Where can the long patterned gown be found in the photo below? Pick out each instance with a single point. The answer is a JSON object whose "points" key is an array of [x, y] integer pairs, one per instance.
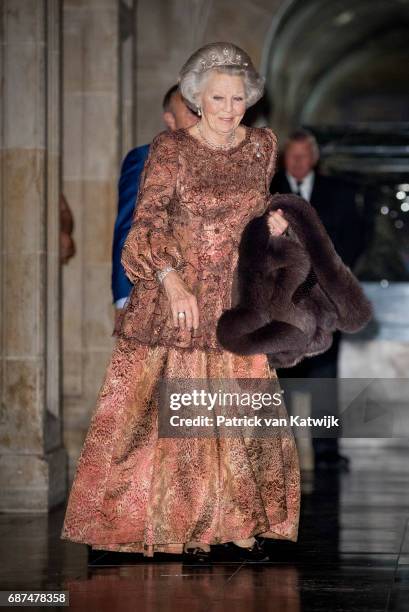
{"points": [[133, 490]]}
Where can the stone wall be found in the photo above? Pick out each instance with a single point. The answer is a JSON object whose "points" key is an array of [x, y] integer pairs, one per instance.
{"points": [[32, 459], [97, 118]]}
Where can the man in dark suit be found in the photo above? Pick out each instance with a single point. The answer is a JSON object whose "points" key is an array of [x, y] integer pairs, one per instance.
{"points": [[176, 114], [334, 201]]}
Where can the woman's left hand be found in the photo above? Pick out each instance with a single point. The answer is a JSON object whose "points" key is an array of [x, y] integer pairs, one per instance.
{"points": [[277, 224]]}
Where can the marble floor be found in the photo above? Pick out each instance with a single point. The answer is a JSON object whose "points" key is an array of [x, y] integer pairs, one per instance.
{"points": [[352, 555]]}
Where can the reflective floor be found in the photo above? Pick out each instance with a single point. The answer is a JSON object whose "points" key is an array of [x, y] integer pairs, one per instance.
{"points": [[352, 554]]}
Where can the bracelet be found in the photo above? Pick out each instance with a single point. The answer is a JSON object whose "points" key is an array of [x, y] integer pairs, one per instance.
{"points": [[162, 273]]}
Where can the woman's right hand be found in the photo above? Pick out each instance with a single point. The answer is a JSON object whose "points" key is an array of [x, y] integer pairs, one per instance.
{"points": [[181, 300]]}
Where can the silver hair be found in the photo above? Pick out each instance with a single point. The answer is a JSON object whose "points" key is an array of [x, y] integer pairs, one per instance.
{"points": [[221, 57]]}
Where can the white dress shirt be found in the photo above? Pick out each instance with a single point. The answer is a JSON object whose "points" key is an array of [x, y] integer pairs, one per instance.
{"points": [[121, 302], [306, 186]]}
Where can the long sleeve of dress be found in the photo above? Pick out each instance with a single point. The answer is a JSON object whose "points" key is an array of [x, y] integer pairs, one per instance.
{"points": [[150, 245], [271, 167]]}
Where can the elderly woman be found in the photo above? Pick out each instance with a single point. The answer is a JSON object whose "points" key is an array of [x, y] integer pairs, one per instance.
{"points": [[134, 491]]}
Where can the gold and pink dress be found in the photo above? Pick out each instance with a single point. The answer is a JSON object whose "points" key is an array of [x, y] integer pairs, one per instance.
{"points": [[133, 490]]}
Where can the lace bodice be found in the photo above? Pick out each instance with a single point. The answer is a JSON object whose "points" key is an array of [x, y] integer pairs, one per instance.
{"points": [[193, 204]]}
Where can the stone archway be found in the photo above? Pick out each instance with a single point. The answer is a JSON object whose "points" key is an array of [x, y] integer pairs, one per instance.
{"points": [[337, 62], [338, 68]]}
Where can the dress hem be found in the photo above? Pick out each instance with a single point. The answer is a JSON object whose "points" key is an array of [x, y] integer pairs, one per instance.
{"points": [[177, 547]]}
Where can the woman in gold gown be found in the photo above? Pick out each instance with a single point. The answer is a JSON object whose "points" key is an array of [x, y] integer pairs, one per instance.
{"points": [[133, 490]]}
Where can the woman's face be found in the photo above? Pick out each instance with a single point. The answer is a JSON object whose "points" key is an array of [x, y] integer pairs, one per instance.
{"points": [[222, 101]]}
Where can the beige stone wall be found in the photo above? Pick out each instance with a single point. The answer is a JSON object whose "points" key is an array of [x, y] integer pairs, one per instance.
{"points": [[32, 460], [90, 170]]}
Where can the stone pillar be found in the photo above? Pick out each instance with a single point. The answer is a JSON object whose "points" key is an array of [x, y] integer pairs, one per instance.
{"points": [[32, 459], [99, 128]]}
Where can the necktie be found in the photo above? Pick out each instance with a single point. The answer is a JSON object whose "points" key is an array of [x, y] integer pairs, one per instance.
{"points": [[298, 192]]}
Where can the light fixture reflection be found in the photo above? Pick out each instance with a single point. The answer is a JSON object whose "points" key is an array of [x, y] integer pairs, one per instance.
{"points": [[344, 18]]}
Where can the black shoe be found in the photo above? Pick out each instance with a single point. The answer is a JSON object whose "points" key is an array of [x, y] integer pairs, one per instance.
{"points": [[99, 557], [256, 552], [196, 555], [95, 554], [332, 461]]}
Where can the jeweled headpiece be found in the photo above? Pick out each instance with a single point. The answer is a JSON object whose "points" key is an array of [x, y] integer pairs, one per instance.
{"points": [[230, 58], [218, 55]]}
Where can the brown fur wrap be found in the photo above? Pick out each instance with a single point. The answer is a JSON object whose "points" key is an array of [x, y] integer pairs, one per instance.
{"points": [[293, 291]]}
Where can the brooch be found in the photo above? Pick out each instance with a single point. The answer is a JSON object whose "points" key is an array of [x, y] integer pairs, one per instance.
{"points": [[258, 154]]}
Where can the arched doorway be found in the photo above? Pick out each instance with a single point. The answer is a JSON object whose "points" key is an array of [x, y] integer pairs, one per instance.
{"points": [[339, 68], [333, 63]]}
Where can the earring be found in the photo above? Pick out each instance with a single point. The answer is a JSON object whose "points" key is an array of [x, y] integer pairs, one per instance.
{"points": [[199, 112]]}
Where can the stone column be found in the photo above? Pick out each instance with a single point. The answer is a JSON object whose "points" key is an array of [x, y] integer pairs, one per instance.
{"points": [[32, 459], [99, 128]]}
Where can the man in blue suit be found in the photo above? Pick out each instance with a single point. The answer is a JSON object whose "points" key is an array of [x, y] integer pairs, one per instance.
{"points": [[176, 114]]}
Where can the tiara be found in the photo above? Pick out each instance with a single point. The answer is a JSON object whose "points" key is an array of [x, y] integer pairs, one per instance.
{"points": [[230, 58]]}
